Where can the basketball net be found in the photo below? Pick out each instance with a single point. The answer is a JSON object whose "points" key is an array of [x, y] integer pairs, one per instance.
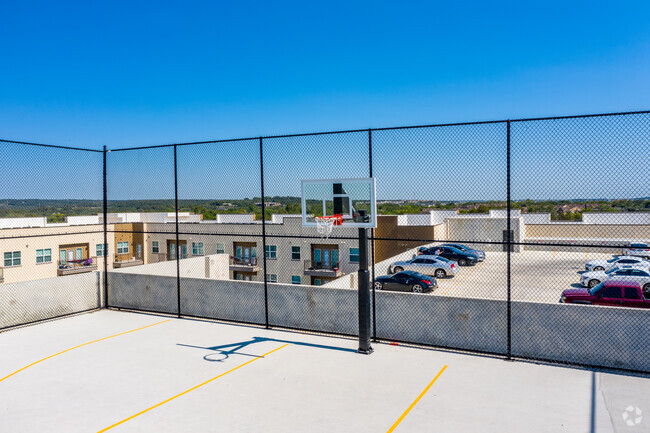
{"points": [[324, 226]]}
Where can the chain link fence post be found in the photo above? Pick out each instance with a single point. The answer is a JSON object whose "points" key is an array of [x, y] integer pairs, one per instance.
{"points": [[266, 284], [178, 246]]}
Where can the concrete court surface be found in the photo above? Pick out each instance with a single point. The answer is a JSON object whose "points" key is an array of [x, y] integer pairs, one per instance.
{"points": [[308, 383], [537, 276]]}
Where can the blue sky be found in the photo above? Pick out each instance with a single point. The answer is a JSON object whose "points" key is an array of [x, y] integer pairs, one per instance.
{"points": [[124, 74]]}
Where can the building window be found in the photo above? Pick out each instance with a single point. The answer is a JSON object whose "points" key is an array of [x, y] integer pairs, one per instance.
{"points": [[295, 253], [271, 278], [354, 255], [221, 248], [100, 250], [44, 256], [154, 247], [295, 279], [317, 281], [12, 259], [123, 248], [271, 251], [197, 248]]}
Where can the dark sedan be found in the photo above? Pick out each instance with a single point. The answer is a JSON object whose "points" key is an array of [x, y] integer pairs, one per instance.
{"points": [[464, 248], [406, 281], [451, 253]]}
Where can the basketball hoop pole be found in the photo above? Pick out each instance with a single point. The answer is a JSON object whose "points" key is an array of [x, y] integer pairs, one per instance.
{"points": [[364, 294]]}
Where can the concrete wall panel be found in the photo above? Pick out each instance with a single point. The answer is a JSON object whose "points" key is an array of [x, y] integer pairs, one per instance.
{"points": [[585, 334], [30, 301]]}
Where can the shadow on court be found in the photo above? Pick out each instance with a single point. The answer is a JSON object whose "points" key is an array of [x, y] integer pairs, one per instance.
{"points": [[224, 351]]}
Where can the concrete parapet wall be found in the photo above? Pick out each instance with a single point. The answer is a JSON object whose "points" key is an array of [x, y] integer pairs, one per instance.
{"points": [[240, 301], [315, 308], [214, 266], [30, 301], [463, 323], [577, 231], [605, 336], [599, 246], [608, 337], [142, 292]]}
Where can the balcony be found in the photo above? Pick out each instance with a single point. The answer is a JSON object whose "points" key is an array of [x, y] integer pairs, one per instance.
{"points": [[318, 269], [72, 267], [244, 264], [128, 263]]}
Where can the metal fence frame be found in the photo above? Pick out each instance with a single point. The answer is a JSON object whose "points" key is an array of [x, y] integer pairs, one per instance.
{"points": [[265, 236]]}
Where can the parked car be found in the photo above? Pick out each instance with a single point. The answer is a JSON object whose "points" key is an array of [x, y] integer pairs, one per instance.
{"points": [[450, 253], [406, 281], [606, 265], [478, 253], [638, 249], [438, 267], [593, 278], [613, 293]]}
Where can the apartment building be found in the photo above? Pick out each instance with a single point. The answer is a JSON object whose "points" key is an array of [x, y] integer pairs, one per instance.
{"points": [[42, 250], [33, 249], [294, 254]]}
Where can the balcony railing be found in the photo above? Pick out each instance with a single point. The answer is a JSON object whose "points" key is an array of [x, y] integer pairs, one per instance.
{"points": [[71, 267], [128, 263], [319, 269], [244, 264]]}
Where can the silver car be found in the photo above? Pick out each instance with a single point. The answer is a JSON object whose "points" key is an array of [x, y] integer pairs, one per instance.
{"points": [[623, 273], [638, 249], [436, 266], [606, 265]]}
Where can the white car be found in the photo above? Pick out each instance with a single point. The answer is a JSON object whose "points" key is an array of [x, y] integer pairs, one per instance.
{"points": [[624, 273], [638, 249], [436, 266], [606, 265]]}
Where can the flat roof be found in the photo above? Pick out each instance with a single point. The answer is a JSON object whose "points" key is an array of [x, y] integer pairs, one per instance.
{"points": [[121, 371]]}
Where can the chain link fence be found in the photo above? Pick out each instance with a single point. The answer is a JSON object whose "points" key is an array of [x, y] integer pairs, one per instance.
{"points": [[529, 212], [51, 246]]}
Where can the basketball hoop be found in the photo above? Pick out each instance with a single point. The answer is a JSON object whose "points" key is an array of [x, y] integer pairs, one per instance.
{"points": [[325, 225]]}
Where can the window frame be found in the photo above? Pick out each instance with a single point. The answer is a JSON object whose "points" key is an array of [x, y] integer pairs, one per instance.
{"points": [[198, 249], [221, 250], [42, 256], [155, 247], [293, 279], [271, 250], [121, 247], [14, 256], [294, 252], [271, 278]]}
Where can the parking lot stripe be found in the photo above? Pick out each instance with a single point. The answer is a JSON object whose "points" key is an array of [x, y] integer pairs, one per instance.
{"points": [[191, 389], [81, 345], [554, 254], [406, 412]]}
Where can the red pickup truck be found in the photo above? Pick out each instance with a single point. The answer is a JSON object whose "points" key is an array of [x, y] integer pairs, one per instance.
{"points": [[612, 293]]}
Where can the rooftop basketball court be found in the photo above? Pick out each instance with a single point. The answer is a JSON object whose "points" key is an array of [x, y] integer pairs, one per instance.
{"points": [[127, 372]]}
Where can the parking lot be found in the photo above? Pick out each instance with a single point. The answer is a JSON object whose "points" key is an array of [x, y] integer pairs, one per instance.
{"points": [[538, 276]]}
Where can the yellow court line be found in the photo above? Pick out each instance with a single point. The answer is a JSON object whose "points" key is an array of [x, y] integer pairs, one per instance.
{"points": [[81, 345], [189, 390], [406, 412]]}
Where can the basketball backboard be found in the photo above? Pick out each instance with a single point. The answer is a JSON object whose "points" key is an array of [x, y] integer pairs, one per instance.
{"points": [[352, 202]]}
